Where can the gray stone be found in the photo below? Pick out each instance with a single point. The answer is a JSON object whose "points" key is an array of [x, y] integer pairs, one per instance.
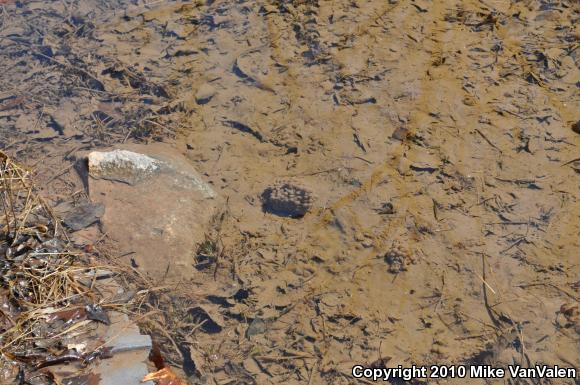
{"points": [[126, 368], [131, 168], [131, 351], [83, 216], [129, 364], [131, 342], [122, 166], [205, 93], [100, 273], [120, 324], [258, 326], [123, 335]]}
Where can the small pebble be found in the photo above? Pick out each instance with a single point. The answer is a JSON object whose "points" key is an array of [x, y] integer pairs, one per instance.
{"points": [[205, 93]]}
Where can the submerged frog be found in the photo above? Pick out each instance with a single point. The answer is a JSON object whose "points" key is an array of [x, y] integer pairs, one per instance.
{"points": [[287, 199]]}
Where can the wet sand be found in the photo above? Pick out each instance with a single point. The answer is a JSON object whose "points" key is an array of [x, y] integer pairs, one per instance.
{"points": [[436, 137]]}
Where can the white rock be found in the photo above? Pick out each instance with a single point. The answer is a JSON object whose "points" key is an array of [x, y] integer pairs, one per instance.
{"points": [[132, 168], [122, 165], [205, 93]]}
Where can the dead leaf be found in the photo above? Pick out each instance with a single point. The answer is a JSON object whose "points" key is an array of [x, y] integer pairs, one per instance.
{"points": [[164, 376]]}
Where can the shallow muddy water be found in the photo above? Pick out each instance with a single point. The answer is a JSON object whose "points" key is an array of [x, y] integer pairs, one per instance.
{"points": [[435, 139]]}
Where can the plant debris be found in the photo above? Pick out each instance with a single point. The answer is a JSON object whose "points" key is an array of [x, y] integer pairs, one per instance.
{"points": [[46, 287], [164, 376]]}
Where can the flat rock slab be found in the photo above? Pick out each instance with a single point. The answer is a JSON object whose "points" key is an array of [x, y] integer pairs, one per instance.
{"points": [[123, 335], [127, 368], [83, 216], [128, 365], [157, 207], [130, 351]]}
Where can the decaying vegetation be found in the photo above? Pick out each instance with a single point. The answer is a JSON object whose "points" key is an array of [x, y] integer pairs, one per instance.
{"points": [[48, 296]]}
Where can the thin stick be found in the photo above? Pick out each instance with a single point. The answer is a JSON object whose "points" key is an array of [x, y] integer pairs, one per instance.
{"points": [[486, 284]]}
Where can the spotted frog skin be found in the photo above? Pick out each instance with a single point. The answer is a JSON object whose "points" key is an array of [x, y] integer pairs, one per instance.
{"points": [[287, 199]]}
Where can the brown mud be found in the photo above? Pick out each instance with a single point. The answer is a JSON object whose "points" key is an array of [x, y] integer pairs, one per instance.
{"points": [[436, 137]]}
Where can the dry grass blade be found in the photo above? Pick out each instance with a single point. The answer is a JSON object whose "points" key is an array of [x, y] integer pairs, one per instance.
{"points": [[41, 276]]}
